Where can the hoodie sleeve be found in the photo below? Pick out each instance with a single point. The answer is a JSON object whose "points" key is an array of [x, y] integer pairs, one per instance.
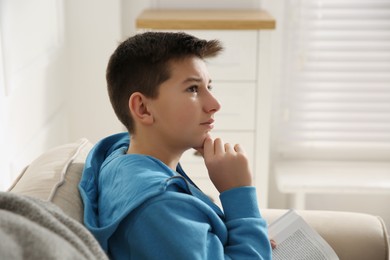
{"points": [[178, 226]]}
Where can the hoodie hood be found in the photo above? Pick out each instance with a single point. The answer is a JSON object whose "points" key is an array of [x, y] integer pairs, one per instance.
{"points": [[88, 185], [108, 166]]}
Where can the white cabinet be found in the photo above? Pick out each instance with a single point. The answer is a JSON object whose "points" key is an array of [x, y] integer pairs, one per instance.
{"points": [[236, 84]]}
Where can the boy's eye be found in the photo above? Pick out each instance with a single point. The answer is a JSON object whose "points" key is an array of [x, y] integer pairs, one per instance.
{"points": [[210, 87], [193, 89]]}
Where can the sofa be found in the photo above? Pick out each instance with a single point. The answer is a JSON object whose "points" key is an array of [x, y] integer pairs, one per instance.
{"points": [[53, 177]]}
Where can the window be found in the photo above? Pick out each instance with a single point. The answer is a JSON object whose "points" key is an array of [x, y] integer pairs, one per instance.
{"points": [[335, 102]]}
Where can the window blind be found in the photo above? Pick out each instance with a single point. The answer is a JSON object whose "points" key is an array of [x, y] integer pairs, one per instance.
{"points": [[335, 95]]}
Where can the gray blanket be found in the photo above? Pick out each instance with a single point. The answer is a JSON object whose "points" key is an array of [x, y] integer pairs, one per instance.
{"points": [[34, 229]]}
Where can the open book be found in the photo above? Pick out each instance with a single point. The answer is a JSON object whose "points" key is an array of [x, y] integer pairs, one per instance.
{"points": [[295, 239]]}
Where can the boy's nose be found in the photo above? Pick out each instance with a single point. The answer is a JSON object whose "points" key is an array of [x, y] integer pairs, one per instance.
{"points": [[212, 105]]}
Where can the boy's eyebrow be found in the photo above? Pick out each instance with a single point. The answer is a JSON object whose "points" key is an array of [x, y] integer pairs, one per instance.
{"points": [[195, 79]]}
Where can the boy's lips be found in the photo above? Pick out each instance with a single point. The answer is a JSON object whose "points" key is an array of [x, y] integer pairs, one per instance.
{"points": [[209, 123]]}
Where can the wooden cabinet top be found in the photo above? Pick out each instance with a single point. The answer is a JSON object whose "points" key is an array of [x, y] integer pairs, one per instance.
{"points": [[205, 19]]}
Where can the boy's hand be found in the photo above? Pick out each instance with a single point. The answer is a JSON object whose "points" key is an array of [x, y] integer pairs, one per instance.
{"points": [[227, 165], [273, 243]]}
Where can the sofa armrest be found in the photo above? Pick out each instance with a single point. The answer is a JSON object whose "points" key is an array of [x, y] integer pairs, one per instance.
{"points": [[352, 235]]}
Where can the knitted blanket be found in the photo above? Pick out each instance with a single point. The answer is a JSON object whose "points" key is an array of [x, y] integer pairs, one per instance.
{"points": [[34, 229]]}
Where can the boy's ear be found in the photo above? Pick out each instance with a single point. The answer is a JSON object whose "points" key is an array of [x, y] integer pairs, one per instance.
{"points": [[139, 109]]}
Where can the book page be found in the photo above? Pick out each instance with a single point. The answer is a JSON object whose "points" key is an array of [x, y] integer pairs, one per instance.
{"points": [[295, 239]]}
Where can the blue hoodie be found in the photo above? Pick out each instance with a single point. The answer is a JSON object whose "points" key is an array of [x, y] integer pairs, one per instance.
{"points": [[139, 208]]}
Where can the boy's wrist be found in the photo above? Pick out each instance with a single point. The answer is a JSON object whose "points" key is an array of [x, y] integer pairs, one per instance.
{"points": [[240, 202]]}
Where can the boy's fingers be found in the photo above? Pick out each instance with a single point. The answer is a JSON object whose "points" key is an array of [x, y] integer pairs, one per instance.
{"points": [[219, 147], [238, 149], [208, 148], [229, 148], [273, 244]]}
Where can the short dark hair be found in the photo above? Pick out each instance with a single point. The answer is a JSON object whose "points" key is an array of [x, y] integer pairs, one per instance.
{"points": [[141, 64]]}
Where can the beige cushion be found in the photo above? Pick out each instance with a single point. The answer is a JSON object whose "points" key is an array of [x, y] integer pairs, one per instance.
{"points": [[54, 176]]}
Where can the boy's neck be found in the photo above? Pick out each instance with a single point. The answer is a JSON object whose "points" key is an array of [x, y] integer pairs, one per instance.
{"points": [[171, 159]]}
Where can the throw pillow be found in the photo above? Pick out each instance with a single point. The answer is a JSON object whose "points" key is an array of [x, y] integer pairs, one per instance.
{"points": [[54, 176]]}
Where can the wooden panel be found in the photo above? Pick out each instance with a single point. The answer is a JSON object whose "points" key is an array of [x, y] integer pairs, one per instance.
{"points": [[205, 19]]}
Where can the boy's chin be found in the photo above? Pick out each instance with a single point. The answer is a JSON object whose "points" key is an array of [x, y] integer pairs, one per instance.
{"points": [[200, 144]]}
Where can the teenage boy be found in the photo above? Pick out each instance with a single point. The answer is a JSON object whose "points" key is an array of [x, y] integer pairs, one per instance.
{"points": [[138, 201]]}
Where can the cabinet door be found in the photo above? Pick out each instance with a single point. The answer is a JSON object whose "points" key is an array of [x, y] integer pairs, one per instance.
{"points": [[237, 105]]}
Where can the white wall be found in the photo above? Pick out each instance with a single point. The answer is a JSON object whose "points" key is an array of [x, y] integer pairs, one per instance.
{"points": [[33, 94], [94, 30], [52, 70]]}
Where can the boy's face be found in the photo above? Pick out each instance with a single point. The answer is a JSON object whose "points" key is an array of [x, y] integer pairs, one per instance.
{"points": [[185, 106]]}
